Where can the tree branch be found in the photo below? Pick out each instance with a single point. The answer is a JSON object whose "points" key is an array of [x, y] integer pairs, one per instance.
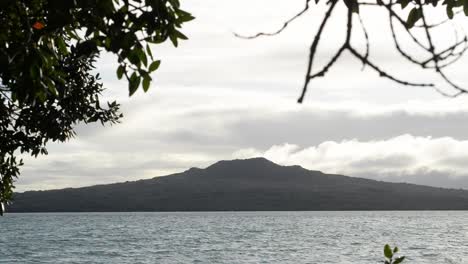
{"points": [[283, 27], [313, 49]]}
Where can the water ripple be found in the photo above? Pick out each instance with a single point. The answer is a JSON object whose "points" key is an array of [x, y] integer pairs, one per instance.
{"points": [[233, 237]]}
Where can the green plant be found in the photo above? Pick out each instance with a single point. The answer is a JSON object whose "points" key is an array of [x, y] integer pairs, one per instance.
{"points": [[390, 257]]}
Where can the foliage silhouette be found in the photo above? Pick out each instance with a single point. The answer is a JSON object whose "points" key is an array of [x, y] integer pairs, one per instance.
{"points": [[47, 54]]}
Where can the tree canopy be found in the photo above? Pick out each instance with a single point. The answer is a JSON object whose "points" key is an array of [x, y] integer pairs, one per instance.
{"points": [[48, 49]]}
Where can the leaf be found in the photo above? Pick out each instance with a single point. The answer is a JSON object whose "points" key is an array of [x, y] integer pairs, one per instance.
{"points": [[175, 3], [52, 88], [35, 72], [154, 65], [450, 11], [133, 83], [86, 48], [388, 251], [146, 83], [92, 119], [465, 7], [399, 260], [133, 57], [413, 17], [173, 39], [395, 250], [142, 56], [404, 3], [180, 34], [148, 50], [120, 71], [62, 46], [186, 16], [458, 3]]}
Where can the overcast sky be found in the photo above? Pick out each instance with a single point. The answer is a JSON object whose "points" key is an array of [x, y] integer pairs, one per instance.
{"points": [[219, 97]]}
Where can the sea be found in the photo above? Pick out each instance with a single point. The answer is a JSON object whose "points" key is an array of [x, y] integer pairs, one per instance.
{"points": [[234, 237]]}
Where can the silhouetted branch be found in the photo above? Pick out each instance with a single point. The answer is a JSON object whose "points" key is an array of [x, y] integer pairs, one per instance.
{"points": [[285, 25], [438, 58], [313, 49], [435, 57], [438, 23], [382, 73], [402, 22], [366, 36]]}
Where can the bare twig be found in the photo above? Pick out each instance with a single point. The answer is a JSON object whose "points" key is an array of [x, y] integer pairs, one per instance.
{"points": [[283, 27], [366, 36], [436, 62], [313, 49]]}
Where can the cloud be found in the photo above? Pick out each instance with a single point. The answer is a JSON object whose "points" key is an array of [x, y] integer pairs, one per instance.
{"points": [[84, 167], [171, 136], [402, 158], [216, 94]]}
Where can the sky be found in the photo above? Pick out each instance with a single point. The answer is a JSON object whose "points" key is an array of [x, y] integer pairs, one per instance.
{"points": [[220, 97]]}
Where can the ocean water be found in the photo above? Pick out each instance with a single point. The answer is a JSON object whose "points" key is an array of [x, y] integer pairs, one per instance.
{"points": [[233, 237]]}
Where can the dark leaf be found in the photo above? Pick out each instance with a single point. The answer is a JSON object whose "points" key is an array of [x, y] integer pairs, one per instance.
{"points": [[133, 84], [120, 71], [146, 83], [413, 17], [173, 39], [404, 3], [180, 35], [154, 65], [450, 13], [148, 50], [388, 251], [465, 7], [399, 260]]}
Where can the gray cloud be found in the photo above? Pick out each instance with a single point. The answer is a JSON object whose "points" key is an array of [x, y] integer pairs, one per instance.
{"points": [[217, 94], [425, 177], [314, 127], [406, 158]]}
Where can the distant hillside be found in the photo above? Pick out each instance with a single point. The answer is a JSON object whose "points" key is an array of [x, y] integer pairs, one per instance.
{"points": [[244, 185]]}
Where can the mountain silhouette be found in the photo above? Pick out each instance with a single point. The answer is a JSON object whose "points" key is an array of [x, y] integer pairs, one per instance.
{"points": [[243, 185]]}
